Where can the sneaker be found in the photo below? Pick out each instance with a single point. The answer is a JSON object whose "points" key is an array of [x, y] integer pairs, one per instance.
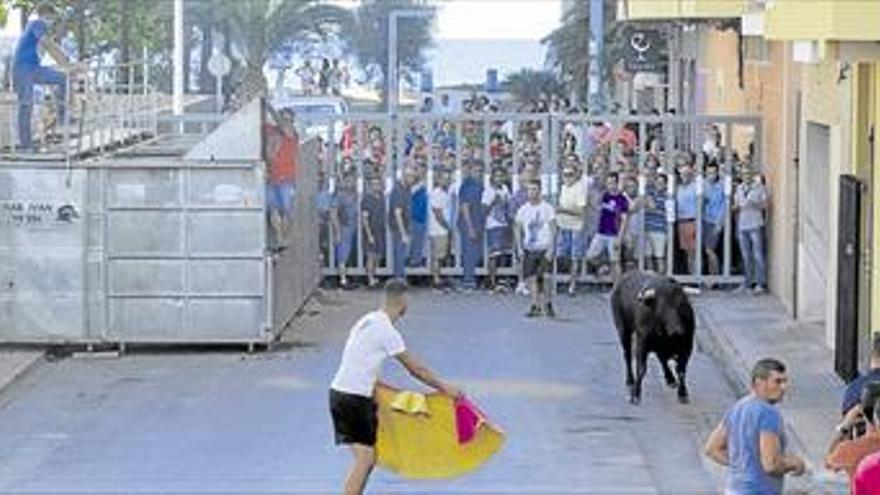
{"points": [[572, 289], [759, 289], [534, 311], [549, 312], [522, 289]]}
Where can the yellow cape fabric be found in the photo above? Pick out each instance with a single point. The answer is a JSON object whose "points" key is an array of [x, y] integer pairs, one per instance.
{"points": [[410, 402], [420, 446]]}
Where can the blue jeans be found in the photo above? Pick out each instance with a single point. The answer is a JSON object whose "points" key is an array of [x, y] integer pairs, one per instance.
{"points": [[417, 244], [401, 252], [471, 254], [24, 80], [751, 246]]}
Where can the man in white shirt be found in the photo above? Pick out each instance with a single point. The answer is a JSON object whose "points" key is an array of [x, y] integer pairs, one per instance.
{"points": [[535, 231], [496, 201], [439, 219], [570, 214], [352, 407]]}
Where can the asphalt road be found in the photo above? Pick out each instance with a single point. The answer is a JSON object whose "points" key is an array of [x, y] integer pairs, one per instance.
{"points": [[230, 422]]}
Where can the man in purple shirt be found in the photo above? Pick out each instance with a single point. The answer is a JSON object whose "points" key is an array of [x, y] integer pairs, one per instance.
{"points": [[612, 223]]}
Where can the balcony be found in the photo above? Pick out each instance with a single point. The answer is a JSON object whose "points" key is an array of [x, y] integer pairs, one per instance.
{"points": [[823, 20], [636, 10]]}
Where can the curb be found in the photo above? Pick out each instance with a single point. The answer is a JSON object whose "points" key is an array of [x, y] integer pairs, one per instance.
{"points": [[20, 371]]}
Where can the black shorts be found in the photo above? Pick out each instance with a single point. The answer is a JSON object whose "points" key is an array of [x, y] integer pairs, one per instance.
{"points": [[535, 264], [354, 418]]}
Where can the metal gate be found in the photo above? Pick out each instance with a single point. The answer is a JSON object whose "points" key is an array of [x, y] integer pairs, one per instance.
{"points": [[642, 145]]}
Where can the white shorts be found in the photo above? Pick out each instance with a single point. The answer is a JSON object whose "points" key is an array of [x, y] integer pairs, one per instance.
{"points": [[604, 244], [655, 244]]}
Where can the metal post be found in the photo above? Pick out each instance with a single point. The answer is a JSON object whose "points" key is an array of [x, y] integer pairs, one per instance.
{"points": [[596, 52], [177, 97], [392, 64]]}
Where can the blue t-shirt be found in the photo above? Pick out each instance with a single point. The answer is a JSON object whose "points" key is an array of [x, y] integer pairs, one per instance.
{"points": [[26, 54], [655, 218], [420, 205], [745, 422], [686, 202], [853, 393], [715, 203], [471, 193]]}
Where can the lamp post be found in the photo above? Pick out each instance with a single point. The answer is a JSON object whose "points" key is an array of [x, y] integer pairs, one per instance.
{"points": [[177, 89], [393, 91]]}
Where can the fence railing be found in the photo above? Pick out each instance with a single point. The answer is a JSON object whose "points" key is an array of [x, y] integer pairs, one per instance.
{"points": [[103, 107], [639, 147]]}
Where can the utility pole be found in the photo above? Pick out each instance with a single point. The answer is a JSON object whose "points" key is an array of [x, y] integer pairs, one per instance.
{"points": [[597, 56], [177, 96]]}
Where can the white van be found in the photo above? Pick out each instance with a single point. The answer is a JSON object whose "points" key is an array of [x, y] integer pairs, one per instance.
{"points": [[314, 112]]}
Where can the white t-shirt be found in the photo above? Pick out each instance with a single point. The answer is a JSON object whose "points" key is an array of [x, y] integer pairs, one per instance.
{"points": [[438, 198], [496, 217], [535, 221], [573, 197], [372, 339]]}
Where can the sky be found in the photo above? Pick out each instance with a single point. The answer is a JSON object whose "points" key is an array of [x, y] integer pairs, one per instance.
{"points": [[474, 35], [497, 19]]}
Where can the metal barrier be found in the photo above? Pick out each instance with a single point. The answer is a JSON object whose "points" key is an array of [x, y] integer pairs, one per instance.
{"points": [[538, 142], [106, 106]]}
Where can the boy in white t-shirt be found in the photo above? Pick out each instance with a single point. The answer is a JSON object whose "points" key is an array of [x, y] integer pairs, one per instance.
{"points": [[535, 233], [352, 407]]}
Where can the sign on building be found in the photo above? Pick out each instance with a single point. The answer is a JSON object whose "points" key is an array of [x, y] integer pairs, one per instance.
{"points": [[644, 50]]}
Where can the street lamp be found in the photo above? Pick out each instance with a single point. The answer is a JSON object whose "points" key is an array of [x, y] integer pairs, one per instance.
{"points": [[393, 91]]}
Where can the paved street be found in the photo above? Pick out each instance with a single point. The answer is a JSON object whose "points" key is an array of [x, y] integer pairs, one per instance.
{"points": [[232, 422]]}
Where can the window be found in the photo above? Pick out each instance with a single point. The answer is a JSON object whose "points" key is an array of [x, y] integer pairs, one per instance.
{"points": [[756, 49]]}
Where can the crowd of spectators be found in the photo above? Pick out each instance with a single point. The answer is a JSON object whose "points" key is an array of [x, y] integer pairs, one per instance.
{"points": [[619, 197]]}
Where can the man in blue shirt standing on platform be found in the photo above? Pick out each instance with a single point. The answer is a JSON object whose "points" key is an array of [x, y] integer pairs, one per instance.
{"points": [[27, 71]]}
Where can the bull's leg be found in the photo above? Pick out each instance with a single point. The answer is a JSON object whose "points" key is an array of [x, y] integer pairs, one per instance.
{"points": [[641, 352], [671, 382], [626, 345], [681, 363]]}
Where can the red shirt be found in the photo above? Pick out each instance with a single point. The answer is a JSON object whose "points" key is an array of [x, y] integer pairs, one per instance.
{"points": [[282, 154], [867, 478]]}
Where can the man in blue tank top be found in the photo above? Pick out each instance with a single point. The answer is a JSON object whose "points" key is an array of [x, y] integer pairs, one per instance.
{"points": [[27, 71]]}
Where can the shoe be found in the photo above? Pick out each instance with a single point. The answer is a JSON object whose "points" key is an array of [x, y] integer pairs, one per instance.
{"points": [[572, 289], [758, 290], [533, 311], [549, 312]]}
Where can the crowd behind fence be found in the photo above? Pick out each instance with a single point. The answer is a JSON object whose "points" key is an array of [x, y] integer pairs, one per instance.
{"points": [[696, 198]]}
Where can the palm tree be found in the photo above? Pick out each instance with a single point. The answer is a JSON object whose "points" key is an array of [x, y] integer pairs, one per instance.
{"points": [[257, 28]]}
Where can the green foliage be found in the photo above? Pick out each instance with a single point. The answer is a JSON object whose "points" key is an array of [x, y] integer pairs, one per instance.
{"points": [[368, 40], [530, 85]]}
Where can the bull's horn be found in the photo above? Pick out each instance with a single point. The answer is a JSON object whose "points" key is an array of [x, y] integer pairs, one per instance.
{"points": [[647, 294]]}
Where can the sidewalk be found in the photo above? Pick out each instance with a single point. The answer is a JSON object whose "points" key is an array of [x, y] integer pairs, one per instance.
{"points": [[15, 363], [737, 330]]}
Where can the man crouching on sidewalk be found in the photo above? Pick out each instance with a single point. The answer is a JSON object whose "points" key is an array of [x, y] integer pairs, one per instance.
{"points": [[372, 339]]}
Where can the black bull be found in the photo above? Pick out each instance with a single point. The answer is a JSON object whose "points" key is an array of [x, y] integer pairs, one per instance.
{"points": [[652, 314]]}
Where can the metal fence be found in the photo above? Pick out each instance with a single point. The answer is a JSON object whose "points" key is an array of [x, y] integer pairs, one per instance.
{"points": [[637, 146], [105, 106]]}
